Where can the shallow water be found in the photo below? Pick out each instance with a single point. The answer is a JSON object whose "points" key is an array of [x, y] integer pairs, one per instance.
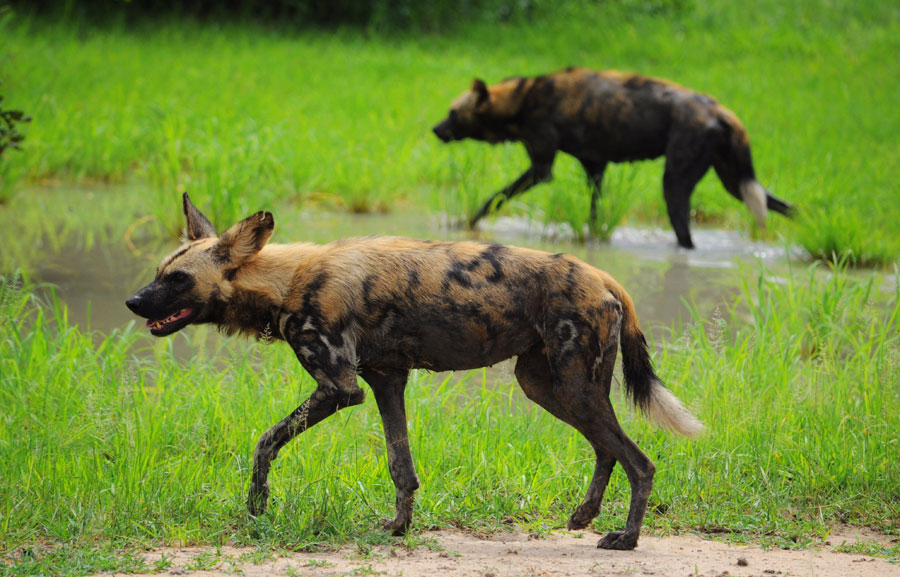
{"points": [[661, 277]]}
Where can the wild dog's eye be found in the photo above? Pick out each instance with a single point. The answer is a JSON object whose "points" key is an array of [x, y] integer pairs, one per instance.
{"points": [[179, 276], [453, 116]]}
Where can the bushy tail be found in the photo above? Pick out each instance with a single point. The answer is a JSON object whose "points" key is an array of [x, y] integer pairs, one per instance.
{"points": [[644, 388], [734, 164]]}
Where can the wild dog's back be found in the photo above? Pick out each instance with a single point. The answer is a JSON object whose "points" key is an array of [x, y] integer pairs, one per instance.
{"points": [[616, 117]]}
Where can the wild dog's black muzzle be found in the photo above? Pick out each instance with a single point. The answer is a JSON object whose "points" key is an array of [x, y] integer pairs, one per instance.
{"points": [[146, 302], [443, 131], [165, 312]]}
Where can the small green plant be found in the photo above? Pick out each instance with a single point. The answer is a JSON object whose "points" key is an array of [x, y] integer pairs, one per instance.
{"points": [[205, 561], [10, 138], [13, 297], [258, 556], [233, 568], [834, 232], [870, 548], [615, 202], [163, 563]]}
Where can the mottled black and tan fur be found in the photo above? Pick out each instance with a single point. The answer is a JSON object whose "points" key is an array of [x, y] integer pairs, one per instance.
{"points": [[607, 116], [379, 307]]}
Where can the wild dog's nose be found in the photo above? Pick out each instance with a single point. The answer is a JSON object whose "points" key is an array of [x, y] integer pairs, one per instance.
{"points": [[134, 303]]}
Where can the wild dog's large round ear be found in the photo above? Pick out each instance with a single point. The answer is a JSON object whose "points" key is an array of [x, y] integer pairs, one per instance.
{"points": [[245, 239], [481, 91], [506, 99], [198, 226]]}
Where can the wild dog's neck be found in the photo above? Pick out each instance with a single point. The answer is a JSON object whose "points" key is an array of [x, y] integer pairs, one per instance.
{"points": [[501, 130], [258, 289]]}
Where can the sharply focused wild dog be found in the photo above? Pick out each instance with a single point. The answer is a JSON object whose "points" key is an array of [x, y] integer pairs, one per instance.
{"points": [[606, 116], [379, 307]]}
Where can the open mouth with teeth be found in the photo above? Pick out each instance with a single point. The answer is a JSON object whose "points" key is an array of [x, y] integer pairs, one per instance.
{"points": [[174, 322]]}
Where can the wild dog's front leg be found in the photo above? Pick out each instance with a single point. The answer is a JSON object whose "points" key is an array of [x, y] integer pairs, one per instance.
{"points": [[541, 170], [388, 389], [321, 404], [334, 368]]}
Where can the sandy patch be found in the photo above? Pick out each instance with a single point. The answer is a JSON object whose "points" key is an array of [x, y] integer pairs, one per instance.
{"points": [[456, 554]]}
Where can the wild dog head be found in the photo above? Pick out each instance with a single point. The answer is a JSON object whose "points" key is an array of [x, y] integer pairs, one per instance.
{"points": [[484, 113], [192, 284]]}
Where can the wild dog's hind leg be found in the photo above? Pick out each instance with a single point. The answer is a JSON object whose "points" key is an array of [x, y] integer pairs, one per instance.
{"points": [[601, 372], [638, 467], [533, 374], [640, 470], [688, 157], [582, 354], [388, 389]]}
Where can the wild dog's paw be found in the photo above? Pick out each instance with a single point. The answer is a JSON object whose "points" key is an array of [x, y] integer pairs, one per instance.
{"points": [[578, 520], [397, 527], [257, 500], [619, 540]]}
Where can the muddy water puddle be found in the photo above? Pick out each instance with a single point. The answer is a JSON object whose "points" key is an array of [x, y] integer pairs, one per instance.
{"points": [[665, 281]]}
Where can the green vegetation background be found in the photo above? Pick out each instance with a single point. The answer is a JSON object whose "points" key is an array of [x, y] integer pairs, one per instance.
{"points": [[110, 443], [250, 114]]}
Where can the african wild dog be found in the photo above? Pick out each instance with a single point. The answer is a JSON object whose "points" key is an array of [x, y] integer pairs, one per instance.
{"points": [[379, 307], [606, 116]]}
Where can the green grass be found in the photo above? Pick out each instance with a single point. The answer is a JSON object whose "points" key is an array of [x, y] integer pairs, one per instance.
{"points": [[243, 116], [110, 443]]}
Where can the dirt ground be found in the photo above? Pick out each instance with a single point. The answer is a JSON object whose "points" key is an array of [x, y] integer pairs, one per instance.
{"points": [[456, 554]]}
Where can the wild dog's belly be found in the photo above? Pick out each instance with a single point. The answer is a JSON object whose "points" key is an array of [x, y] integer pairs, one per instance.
{"points": [[616, 140]]}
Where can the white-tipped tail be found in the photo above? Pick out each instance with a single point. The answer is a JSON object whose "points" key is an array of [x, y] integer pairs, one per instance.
{"points": [[754, 196], [666, 410]]}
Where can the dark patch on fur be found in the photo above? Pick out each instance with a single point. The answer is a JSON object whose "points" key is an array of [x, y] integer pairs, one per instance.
{"points": [[413, 280], [251, 312], [492, 255], [173, 258], [310, 306], [458, 273], [221, 254]]}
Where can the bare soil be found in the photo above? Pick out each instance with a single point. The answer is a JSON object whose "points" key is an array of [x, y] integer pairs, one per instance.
{"points": [[457, 554]]}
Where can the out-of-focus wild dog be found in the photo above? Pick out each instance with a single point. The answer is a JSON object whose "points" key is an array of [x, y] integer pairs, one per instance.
{"points": [[378, 307], [606, 116]]}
